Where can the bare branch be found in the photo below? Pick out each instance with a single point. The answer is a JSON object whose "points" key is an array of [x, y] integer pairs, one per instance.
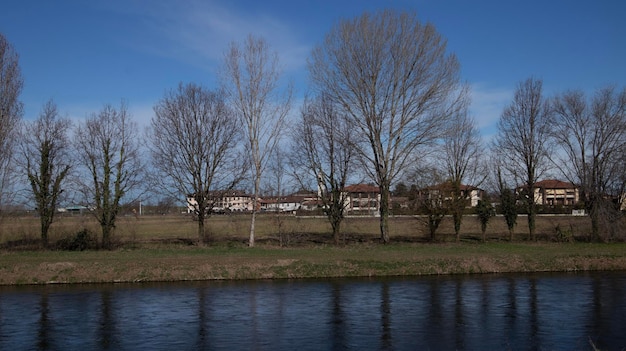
{"points": [[46, 162], [592, 139], [392, 77], [109, 152], [252, 80], [193, 142], [523, 131], [11, 110]]}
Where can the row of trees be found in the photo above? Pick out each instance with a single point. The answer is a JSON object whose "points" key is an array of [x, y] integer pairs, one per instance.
{"points": [[194, 141], [583, 138], [386, 104]]}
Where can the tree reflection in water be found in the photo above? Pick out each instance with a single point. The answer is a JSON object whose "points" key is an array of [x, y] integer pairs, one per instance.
{"points": [[538, 311]]}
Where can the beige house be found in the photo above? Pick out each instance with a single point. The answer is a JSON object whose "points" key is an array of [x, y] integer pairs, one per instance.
{"points": [[443, 192], [553, 192], [232, 200], [362, 198]]}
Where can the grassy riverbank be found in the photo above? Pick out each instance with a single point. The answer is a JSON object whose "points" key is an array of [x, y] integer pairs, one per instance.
{"points": [[179, 263], [161, 248]]}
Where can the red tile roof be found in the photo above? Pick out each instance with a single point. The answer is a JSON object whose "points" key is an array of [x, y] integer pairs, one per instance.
{"points": [[362, 188], [554, 184], [448, 185]]}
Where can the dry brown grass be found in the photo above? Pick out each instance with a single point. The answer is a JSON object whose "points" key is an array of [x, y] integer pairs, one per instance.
{"points": [[315, 230], [182, 262]]}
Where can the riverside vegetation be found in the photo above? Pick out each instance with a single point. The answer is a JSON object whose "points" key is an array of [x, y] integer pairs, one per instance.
{"points": [[164, 248]]}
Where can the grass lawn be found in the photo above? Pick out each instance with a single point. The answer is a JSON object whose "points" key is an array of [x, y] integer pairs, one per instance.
{"points": [[155, 248]]}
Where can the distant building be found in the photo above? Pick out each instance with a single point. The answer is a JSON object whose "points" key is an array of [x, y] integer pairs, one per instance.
{"points": [[444, 192], [553, 192], [230, 200], [362, 198], [288, 203]]}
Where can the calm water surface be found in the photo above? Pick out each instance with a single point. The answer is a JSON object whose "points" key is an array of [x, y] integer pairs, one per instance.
{"points": [[485, 312]]}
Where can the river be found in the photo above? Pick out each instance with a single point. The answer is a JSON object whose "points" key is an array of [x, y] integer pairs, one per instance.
{"points": [[551, 311]]}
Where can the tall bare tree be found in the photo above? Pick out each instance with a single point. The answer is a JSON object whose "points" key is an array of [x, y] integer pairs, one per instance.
{"points": [[11, 110], [323, 148], [47, 162], [508, 199], [523, 135], [431, 195], [275, 186], [591, 136], [392, 77], [108, 147], [462, 151], [193, 141], [252, 79]]}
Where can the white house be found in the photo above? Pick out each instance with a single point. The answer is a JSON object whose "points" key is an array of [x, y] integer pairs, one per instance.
{"points": [[289, 203]]}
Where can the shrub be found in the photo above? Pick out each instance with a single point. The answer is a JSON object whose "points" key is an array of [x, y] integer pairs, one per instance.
{"points": [[82, 240]]}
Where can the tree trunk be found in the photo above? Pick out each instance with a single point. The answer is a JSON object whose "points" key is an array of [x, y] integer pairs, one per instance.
{"points": [[200, 230], [252, 222], [433, 224], [457, 217], [531, 222], [45, 220], [335, 226], [594, 215], [106, 236], [595, 227], [384, 214], [44, 231], [255, 201]]}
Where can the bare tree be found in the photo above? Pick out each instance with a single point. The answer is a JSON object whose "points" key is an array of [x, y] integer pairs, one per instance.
{"points": [[46, 162], [274, 182], [193, 142], [398, 87], [523, 134], [592, 140], [108, 147], [432, 197], [323, 147], [462, 151], [252, 79], [276, 188], [508, 199], [11, 110], [484, 212]]}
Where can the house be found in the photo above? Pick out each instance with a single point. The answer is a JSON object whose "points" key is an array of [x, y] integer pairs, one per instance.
{"points": [[444, 191], [401, 202], [235, 201], [296, 201], [310, 205], [553, 192], [231, 200], [281, 203], [362, 198]]}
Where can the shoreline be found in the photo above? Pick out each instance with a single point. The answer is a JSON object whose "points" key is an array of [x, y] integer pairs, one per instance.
{"points": [[176, 263]]}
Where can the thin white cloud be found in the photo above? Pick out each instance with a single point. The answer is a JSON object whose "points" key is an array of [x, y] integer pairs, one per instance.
{"points": [[487, 105], [199, 32], [141, 113]]}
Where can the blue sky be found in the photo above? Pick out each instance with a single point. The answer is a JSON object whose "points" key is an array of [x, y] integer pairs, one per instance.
{"points": [[84, 54]]}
